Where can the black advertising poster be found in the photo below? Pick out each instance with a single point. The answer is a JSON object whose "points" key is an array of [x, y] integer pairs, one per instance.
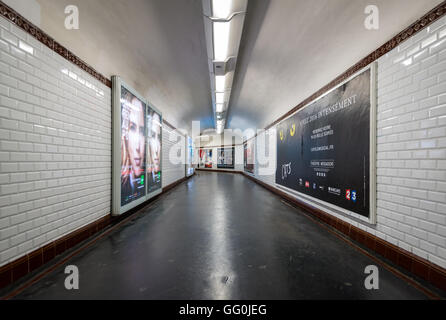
{"points": [[324, 149], [225, 158]]}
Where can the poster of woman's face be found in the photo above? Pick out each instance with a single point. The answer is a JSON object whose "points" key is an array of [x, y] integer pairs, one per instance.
{"points": [[154, 150], [133, 147]]}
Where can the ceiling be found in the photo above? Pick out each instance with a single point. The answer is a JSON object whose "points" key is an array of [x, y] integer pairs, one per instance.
{"points": [[156, 46], [289, 50]]}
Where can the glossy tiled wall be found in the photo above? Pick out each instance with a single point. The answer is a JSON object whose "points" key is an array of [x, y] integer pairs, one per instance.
{"points": [[55, 145], [173, 152]]}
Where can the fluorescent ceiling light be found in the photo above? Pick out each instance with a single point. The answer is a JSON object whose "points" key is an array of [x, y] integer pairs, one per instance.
{"points": [[221, 40], [220, 82], [221, 8], [219, 97], [219, 107]]}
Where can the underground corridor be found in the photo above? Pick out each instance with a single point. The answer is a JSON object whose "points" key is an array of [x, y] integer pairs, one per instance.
{"points": [[246, 245]]}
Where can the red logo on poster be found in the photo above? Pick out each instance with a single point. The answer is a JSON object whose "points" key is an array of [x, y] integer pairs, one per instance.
{"points": [[307, 184], [347, 194]]}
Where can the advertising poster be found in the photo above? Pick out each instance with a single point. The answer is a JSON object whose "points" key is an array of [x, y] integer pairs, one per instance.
{"points": [[133, 147], [153, 150], [324, 149], [225, 158], [205, 158], [248, 156]]}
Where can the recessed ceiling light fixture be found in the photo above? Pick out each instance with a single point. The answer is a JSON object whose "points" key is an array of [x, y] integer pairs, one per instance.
{"points": [[221, 9], [223, 24], [219, 97]]}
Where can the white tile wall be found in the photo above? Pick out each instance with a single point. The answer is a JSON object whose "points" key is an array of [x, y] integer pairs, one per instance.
{"points": [[55, 145], [172, 169], [411, 146]]}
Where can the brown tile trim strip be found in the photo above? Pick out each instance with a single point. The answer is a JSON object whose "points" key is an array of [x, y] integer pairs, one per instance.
{"points": [[415, 27], [420, 267], [15, 270], [15, 18]]}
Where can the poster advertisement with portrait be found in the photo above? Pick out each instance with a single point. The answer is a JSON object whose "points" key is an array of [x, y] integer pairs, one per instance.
{"points": [[225, 158], [133, 146], [136, 149], [326, 149], [248, 156], [154, 132]]}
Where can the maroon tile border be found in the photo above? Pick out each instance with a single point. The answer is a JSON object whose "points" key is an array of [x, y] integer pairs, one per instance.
{"points": [[407, 260], [15, 270], [15, 18]]}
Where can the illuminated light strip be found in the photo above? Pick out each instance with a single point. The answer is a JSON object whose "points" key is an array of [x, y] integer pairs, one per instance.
{"points": [[221, 8], [221, 40], [222, 35]]}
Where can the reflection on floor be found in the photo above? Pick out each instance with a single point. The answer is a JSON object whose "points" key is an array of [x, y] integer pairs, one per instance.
{"points": [[220, 236]]}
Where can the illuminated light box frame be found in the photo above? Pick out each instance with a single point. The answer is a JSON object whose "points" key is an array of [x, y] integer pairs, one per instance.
{"points": [[324, 205], [117, 207], [190, 147]]}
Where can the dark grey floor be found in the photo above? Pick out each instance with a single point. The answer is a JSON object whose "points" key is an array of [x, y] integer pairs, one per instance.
{"points": [[220, 236]]}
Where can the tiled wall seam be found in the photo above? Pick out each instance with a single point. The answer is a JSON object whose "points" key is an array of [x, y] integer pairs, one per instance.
{"points": [[411, 146], [55, 145]]}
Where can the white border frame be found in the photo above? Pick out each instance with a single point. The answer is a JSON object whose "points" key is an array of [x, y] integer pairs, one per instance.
{"points": [[187, 155], [117, 210], [372, 154]]}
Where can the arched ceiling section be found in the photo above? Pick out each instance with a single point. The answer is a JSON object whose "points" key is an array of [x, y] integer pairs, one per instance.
{"points": [[292, 48]]}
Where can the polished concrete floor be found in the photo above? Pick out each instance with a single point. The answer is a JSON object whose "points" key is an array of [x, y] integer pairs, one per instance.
{"points": [[220, 236]]}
